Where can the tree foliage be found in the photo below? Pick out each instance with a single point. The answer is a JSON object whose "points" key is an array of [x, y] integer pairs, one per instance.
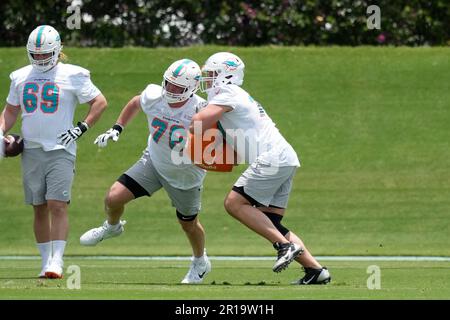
{"points": [[246, 23]]}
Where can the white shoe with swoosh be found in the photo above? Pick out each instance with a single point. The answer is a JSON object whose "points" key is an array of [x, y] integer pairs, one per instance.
{"points": [[200, 267], [94, 236], [314, 276]]}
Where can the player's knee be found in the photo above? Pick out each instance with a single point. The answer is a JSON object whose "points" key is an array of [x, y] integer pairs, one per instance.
{"points": [[112, 200], [230, 205], [188, 223], [41, 211], [227, 204], [276, 220], [108, 200], [57, 209]]}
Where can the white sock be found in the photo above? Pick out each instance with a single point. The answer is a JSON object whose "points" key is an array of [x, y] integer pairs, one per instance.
{"points": [[113, 226], [200, 259], [58, 249], [45, 249]]}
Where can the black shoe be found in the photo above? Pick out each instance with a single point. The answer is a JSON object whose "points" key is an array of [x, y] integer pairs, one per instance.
{"points": [[314, 276], [287, 252]]}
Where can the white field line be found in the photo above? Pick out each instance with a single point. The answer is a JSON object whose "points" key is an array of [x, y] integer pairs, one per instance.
{"points": [[236, 258]]}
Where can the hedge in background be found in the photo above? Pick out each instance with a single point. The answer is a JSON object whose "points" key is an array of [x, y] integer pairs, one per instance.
{"points": [[178, 23]]}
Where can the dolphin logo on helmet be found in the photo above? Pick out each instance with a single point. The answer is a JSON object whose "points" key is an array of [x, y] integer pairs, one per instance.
{"points": [[231, 65]]}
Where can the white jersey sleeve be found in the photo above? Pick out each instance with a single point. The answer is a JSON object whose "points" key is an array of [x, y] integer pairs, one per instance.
{"points": [[13, 96], [225, 96], [252, 132], [150, 95], [85, 90]]}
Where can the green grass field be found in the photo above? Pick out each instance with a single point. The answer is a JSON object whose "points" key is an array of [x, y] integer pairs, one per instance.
{"points": [[372, 129], [250, 280]]}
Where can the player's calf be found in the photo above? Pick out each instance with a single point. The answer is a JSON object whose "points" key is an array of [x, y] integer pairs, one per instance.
{"points": [[276, 220]]}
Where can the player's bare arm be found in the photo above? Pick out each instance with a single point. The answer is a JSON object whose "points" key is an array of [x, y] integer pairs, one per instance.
{"points": [[8, 118], [97, 106], [129, 111], [209, 116]]}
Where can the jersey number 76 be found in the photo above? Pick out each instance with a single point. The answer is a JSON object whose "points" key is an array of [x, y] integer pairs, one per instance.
{"points": [[177, 133]]}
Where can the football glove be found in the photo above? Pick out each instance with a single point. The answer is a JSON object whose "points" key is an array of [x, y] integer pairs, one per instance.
{"points": [[67, 137], [113, 134]]}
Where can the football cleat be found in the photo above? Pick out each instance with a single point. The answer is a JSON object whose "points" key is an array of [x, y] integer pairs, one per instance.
{"points": [[94, 236], [54, 270], [43, 270], [287, 252], [314, 276], [198, 270]]}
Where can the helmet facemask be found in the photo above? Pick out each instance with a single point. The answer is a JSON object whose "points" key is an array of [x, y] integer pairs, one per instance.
{"points": [[43, 64], [181, 93], [208, 80]]}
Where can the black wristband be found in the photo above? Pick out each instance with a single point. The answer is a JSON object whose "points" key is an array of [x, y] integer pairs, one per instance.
{"points": [[117, 127], [83, 126]]}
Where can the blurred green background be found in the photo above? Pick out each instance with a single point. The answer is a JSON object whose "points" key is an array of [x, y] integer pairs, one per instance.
{"points": [[371, 126]]}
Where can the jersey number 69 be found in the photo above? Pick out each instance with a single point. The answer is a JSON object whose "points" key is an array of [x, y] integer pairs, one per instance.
{"points": [[47, 98]]}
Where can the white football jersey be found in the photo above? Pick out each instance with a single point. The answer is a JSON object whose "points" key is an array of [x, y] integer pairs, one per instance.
{"points": [[168, 128], [48, 101], [251, 131]]}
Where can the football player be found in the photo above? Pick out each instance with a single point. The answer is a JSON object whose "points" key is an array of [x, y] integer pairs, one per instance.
{"points": [[169, 109], [46, 93], [260, 196]]}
